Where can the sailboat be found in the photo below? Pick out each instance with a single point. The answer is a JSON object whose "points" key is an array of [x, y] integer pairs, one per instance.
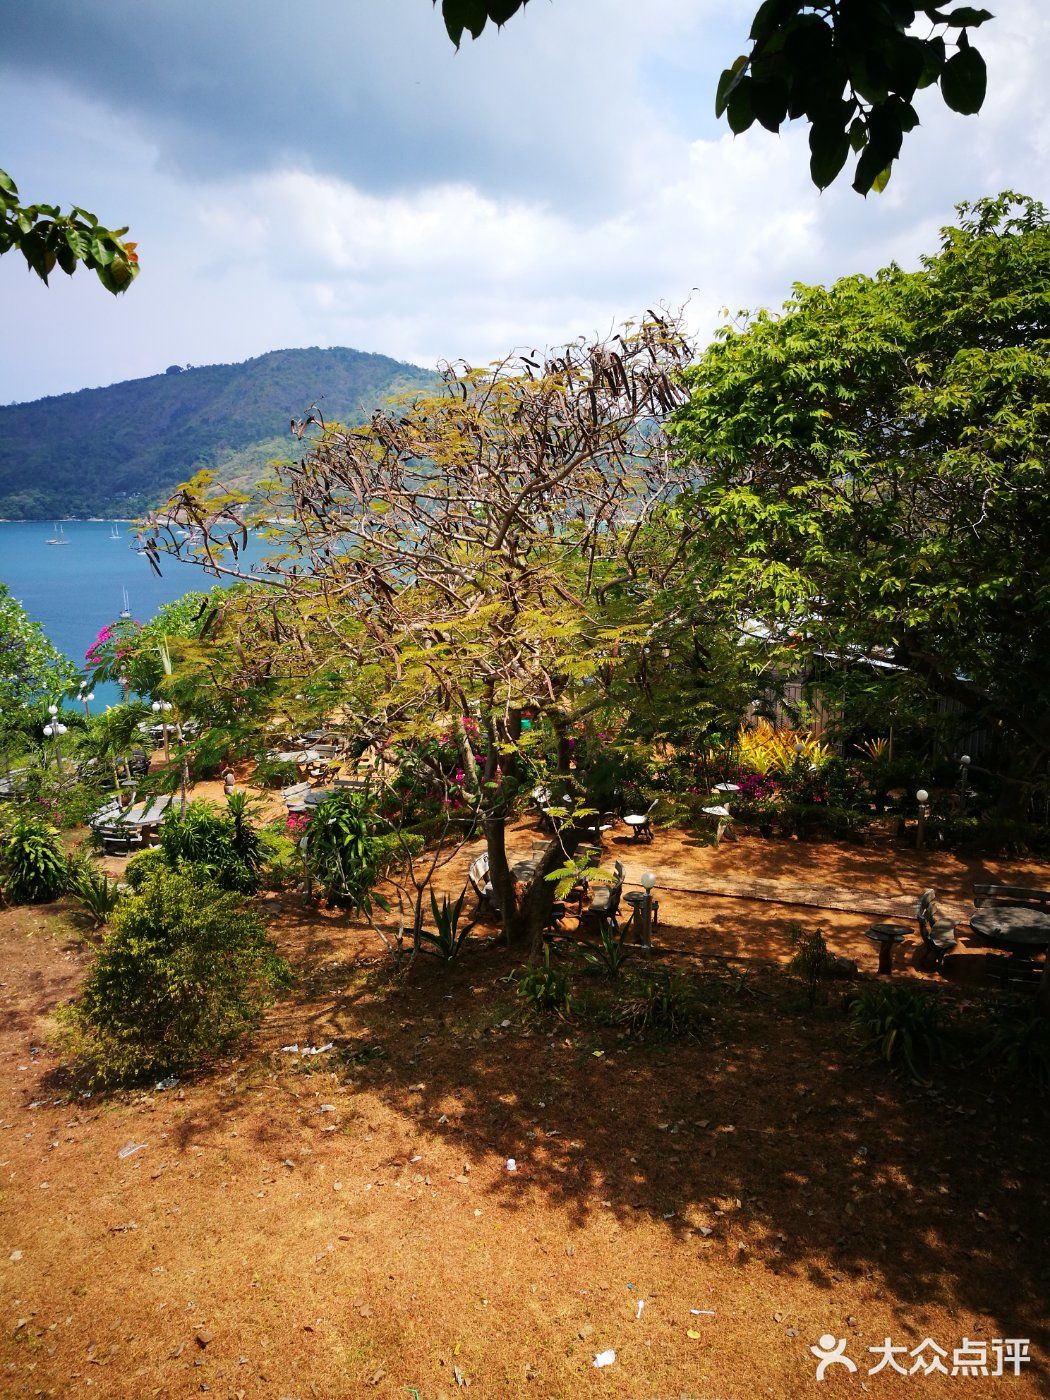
{"points": [[59, 536], [115, 534], [125, 612]]}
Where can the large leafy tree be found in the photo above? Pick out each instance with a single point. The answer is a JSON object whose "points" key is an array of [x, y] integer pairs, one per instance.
{"points": [[31, 669], [876, 474], [33, 673], [47, 239], [851, 68]]}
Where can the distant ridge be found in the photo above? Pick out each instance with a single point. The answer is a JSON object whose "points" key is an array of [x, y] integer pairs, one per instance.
{"points": [[117, 450]]}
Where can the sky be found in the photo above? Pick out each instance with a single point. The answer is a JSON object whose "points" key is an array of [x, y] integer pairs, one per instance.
{"points": [[333, 172]]}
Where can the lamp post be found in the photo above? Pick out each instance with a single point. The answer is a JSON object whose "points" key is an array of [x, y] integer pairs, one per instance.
{"points": [[922, 797], [964, 779], [161, 707], [55, 730], [85, 697], [648, 881]]}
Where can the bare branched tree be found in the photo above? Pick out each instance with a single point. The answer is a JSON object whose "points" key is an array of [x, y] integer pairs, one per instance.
{"points": [[478, 554]]}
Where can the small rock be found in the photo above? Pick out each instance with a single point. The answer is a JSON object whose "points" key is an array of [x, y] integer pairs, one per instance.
{"points": [[204, 1338]]}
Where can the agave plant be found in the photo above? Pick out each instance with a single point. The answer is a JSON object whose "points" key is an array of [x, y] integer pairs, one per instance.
{"points": [[448, 939], [95, 892]]}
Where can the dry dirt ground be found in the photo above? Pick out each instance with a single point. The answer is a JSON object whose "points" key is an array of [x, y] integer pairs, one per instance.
{"points": [[344, 1224]]}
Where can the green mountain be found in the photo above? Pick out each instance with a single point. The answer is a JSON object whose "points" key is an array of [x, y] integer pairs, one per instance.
{"points": [[118, 450]]}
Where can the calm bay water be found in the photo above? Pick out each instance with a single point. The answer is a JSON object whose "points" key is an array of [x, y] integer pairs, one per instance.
{"points": [[76, 588]]}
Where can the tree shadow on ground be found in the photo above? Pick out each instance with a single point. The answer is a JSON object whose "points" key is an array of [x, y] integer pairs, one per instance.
{"points": [[765, 1139]]}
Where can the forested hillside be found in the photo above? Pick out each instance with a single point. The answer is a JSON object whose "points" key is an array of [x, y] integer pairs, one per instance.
{"points": [[113, 451]]}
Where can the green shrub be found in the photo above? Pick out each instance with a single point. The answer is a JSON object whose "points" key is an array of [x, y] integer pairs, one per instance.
{"points": [[275, 773], [225, 850], [142, 865], [906, 1028], [546, 987], [1019, 1040], [186, 969], [663, 1005], [33, 865], [346, 852], [283, 861], [811, 960]]}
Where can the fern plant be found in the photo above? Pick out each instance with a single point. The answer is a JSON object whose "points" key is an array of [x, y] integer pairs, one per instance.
{"points": [[33, 865]]}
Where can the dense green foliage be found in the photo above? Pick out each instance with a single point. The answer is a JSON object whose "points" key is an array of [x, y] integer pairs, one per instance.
{"points": [[850, 67], [121, 448], [909, 1029], [876, 475], [31, 669], [223, 847], [186, 969], [33, 866], [350, 851], [47, 239]]}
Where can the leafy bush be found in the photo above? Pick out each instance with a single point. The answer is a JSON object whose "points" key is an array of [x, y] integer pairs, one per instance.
{"points": [[811, 960], [141, 866], [225, 848], [186, 969], [33, 865], [663, 1005], [907, 1028], [546, 987], [283, 860], [1020, 1041], [346, 852], [448, 939], [275, 773]]}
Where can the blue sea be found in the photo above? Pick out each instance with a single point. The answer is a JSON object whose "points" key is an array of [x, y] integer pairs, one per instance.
{"points": [[75, 589]]}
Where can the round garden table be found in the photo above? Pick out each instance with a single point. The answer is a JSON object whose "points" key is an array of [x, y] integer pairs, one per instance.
{"points": [[887, 936], [1017, 928]]}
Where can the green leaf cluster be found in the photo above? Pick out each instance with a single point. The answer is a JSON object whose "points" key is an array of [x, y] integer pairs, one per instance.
{"points": [[47, 239]]}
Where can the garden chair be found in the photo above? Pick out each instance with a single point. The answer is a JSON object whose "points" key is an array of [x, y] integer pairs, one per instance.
{"points": [[605, 901], [640, 822], [481, 883], [937, 934]]}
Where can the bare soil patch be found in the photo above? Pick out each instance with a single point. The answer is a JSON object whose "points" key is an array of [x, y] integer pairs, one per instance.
{"points": [[344, 1224]]}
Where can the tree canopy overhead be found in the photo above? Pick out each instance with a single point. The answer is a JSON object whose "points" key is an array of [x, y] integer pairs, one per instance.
{"points": [[851, 68], [875, 463]]}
